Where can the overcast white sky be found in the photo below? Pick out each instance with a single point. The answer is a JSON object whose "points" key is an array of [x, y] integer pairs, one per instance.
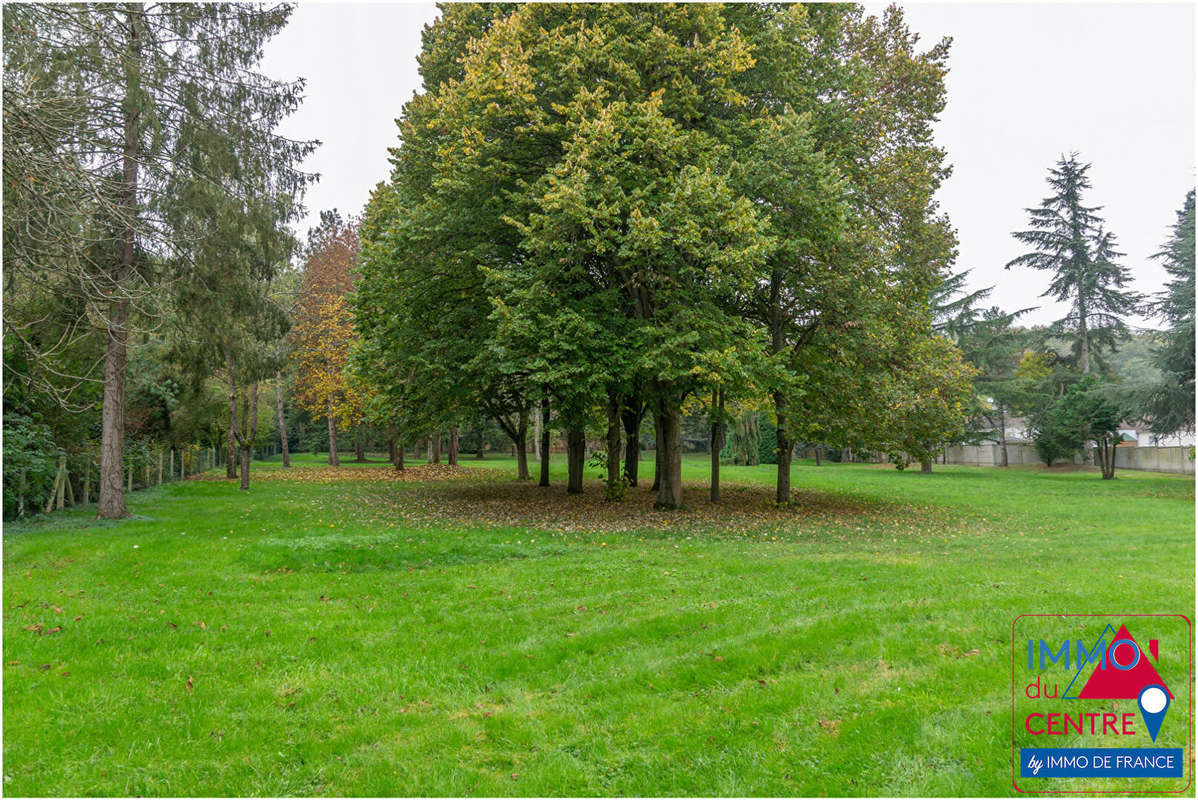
{"points": [[1028, 82]]}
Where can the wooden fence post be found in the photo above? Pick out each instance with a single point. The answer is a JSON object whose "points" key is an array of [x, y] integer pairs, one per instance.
{"points": [[62, 479], [56, 490]]}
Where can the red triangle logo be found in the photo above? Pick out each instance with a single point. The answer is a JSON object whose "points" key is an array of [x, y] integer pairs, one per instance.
{"points": [[1113, 683]]}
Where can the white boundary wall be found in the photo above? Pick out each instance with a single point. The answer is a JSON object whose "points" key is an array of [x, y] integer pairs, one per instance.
{"points": [[1155, 459]]}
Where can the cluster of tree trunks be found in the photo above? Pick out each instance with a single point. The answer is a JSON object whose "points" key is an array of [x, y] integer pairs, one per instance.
{"points": [[245, 428], [1105, 456]]}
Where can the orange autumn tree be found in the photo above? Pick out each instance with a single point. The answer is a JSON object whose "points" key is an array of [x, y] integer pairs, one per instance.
{"points": [[323, 332]]}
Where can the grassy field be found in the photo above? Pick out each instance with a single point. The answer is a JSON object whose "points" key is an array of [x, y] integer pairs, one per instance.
{"points": [[343, 632]]}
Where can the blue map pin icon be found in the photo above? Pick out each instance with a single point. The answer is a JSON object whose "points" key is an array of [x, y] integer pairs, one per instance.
{"points": [[1154, 702]]}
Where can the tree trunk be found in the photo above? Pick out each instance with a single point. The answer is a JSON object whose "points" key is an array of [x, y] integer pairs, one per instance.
{"points": [[1002, 435], [453, 446], [112, 426], [245, 467], [1083, 332], [544, 430], [818, 450], [538, 424], [925, 466], [669, 492], [576, 447], [231, 435], [245, 437], [1106, 457], [435, 457], [613, 446], [479, 452], [399, 454], [632, 442], [334, 460], [785, 450], [521, 443], [60, 480], [54, 490], [391, 449], [717, 441], [112, 438], [282, 418], [359, 445], [656, 454]]}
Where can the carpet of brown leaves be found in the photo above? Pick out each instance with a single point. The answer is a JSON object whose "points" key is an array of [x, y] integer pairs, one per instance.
{"points": [[524, 504], [307, 474], [440, 495]]}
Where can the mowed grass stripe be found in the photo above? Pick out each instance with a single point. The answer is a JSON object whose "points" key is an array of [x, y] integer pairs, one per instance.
{"points": [[833, 655]]}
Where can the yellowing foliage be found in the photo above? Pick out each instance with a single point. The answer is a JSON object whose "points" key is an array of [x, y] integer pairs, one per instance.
{"points": [[324, 329]]}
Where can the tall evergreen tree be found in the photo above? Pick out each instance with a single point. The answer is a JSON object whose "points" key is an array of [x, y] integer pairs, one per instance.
{"points": [[1068, 238], [988, 341], [1169, 407], [955, 309], [160, 99]]}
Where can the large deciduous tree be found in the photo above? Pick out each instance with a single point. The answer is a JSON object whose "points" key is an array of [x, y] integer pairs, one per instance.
{"points": [[621, 207], [324, 333]]}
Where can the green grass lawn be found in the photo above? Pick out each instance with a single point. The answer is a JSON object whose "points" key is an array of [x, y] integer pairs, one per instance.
{"points": [[336, 632]]}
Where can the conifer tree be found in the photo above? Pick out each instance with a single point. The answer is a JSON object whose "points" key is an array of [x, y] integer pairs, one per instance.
{"points": [[1069, 239], [1170, 405], [149, 102]]}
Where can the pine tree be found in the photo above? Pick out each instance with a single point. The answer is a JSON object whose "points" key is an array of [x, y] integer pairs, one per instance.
{"points": [[1170, 406], [988, 341], [1068, 238], [150, 102]]}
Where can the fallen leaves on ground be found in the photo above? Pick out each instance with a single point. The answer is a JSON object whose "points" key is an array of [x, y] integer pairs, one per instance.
{"points": [[325, 474], [434, 495]]}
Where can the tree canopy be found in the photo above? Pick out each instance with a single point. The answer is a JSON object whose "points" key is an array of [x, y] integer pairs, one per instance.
{"points": [[620, 207]]}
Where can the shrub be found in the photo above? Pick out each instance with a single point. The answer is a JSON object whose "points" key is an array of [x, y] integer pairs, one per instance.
{"points": [[30, 462]]}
